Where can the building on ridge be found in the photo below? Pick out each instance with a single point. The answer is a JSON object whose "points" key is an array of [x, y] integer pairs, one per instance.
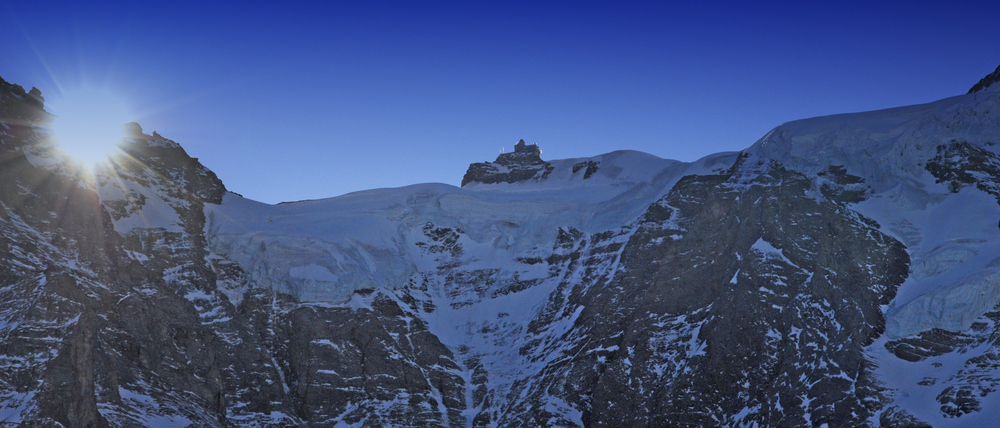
{"points": [[521, 147]]}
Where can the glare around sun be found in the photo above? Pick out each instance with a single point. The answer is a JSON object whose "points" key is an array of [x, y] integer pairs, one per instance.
{"points": [[88, 123]]}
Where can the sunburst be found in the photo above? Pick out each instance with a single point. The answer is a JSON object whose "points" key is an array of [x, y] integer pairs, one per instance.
{"points": [[88, 123]]}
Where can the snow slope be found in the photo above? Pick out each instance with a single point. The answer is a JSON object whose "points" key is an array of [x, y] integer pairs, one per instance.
{"points": [[951, 237], [366, 239]]}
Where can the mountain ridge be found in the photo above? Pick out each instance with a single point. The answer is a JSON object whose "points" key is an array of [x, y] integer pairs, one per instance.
{"points": [[986, 82], [831, 273]]}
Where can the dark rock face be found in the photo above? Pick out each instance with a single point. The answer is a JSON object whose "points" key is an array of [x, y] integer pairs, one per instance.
{"points": [[928, 344], [591, 168], [520, 165], [21, 109], [892, 417], [986, 82], [961, 163], [735, 303]]}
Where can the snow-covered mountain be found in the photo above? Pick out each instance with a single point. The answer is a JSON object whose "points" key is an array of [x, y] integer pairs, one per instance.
{"points": [[841, 271]]}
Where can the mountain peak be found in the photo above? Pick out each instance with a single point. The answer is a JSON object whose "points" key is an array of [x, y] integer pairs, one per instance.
{"points": [[132, 130], [985, 82], [524, 163]]}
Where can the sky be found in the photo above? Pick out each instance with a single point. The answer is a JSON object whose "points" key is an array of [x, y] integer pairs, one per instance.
{"points": [[307, 100]]}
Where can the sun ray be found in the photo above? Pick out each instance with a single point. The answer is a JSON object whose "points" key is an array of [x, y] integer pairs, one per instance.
{"points": [[41, 58], [124, 160], [193, 97]]}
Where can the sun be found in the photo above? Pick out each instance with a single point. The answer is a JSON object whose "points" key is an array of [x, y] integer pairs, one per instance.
{"points": [[88, 123]]}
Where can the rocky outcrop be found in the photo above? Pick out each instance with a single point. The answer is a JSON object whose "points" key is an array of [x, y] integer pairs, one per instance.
{"points": [[961, 163], [591, 168], [523, 164], [986, 82]]}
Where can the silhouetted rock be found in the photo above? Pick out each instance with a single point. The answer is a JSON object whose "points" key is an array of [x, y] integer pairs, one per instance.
{"points": [[986, 82], [36, 95], [132, 130]]}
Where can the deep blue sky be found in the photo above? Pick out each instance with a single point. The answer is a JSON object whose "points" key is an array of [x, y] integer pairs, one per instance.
{"points": [[303, 100]]}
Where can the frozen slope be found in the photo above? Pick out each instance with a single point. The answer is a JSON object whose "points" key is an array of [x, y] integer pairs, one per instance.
{"points": [[324, 250], [483, 260], [885, 147], [950, 231]]}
